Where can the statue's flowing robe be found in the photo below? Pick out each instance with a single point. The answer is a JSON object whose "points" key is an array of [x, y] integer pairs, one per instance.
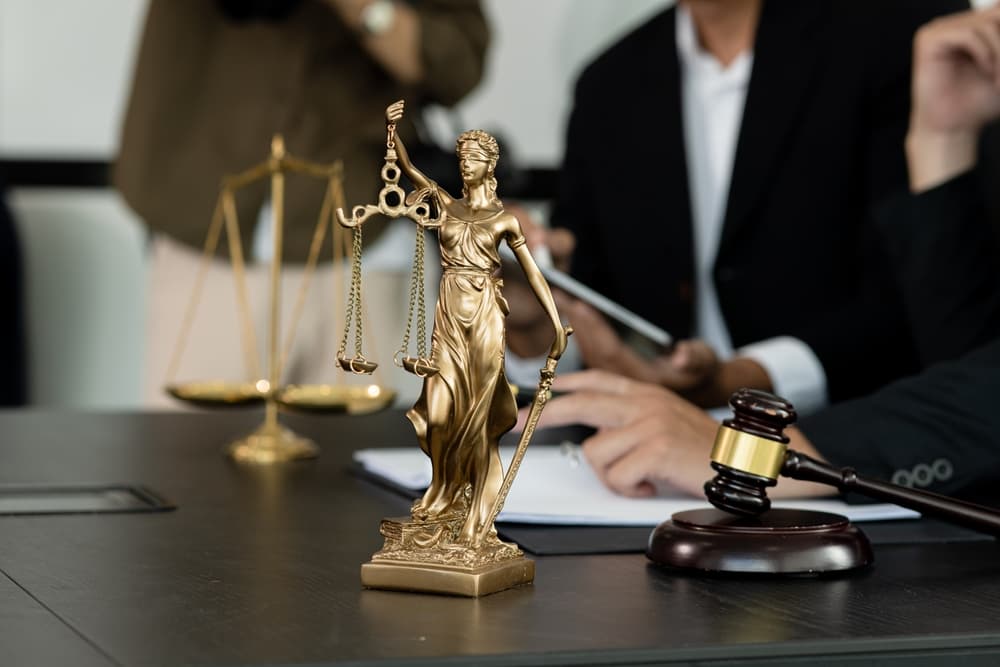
{"points": [[468, 349]]}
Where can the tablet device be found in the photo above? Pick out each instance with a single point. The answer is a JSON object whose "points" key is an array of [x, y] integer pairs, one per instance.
{"points": [[614, 310]]}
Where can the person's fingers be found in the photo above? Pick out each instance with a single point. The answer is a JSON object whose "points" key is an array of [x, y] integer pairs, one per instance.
{"points": [[589, 388], [594, 379], [680, 356], [687, 365], [963, 40], [989, 34], [701, 357], [676, 449], [608, 445], [632, 460], [645, 434], [993, 27], [986, 55], [607, 382], [630, 474], [589, 408]]}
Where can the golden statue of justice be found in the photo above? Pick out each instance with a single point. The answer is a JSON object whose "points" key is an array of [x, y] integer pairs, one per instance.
{"points": [[272, 442], [449, 543]]}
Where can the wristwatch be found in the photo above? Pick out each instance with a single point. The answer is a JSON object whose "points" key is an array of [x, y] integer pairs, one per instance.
{"points": [[377, 16]]}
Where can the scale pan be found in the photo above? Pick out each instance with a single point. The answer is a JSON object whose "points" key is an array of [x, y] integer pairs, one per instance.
{"points": [[354, 400], [213, 393]]}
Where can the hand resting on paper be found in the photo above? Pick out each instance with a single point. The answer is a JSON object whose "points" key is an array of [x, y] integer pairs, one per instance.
{"points": [[647, 437]]}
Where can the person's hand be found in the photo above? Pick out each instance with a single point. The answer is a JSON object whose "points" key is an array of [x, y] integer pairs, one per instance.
{"points": [[690, 367], [394, 111], [647, 437], [956, 91]]}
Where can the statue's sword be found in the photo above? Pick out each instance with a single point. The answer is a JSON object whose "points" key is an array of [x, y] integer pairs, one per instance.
{"points": [[548, 373]]}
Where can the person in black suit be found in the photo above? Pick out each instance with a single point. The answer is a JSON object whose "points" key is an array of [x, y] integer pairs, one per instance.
{"points": [[939, 429], [13, 383], [786, 243]]}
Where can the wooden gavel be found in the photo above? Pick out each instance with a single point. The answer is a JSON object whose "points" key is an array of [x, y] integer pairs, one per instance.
{"points": [[751, 452]]}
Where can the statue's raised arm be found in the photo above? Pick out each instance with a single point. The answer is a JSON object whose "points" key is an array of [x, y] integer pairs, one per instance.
{"points": [[419, 205], [393, 114]]}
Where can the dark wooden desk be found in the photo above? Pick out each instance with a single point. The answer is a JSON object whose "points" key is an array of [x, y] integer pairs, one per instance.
{"points": [[261, 566]]}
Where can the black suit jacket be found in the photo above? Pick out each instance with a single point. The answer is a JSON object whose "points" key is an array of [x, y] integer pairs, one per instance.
{"points": [[941, 429], [820, 143], [946, 260]]}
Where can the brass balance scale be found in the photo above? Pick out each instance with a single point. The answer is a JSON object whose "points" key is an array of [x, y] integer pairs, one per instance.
{"points": [[272, 442]]}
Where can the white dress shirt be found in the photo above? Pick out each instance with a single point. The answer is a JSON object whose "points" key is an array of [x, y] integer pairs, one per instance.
{"points": [[713, 97]]}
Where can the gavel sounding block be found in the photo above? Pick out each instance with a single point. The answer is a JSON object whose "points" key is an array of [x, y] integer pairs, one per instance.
{"points": [[777, 542]]}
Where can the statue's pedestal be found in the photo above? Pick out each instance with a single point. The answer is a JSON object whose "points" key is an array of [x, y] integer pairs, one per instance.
{"points": [[420, 556], [445, 579]]}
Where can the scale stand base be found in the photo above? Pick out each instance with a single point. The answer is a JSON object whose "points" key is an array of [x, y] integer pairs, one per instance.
{"points": [[778, 542], [271, 443]]}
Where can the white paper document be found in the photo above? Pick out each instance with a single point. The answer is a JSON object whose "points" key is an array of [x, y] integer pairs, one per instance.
{"points": [[556, 486]]}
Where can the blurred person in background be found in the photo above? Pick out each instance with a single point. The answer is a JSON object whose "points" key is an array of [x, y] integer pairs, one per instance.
{"points": [[939, 429], [723, 163], [13, 353], [213, 82]]}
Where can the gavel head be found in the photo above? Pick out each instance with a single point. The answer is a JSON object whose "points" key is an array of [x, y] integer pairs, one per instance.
{"points": [[749, 452]]}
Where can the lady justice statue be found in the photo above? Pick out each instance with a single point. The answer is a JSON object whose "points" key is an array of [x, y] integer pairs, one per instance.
{"points": [[448, 543]]}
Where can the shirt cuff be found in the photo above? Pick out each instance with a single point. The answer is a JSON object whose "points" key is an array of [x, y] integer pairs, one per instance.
{"points": [[795, 371], [523, 371]]}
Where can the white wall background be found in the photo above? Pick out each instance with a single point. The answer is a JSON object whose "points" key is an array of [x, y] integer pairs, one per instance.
{"points": [[64, 70], [65, 67]]}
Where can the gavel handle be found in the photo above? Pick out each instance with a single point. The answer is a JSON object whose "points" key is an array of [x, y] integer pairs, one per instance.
{"points": [[970, 515]]}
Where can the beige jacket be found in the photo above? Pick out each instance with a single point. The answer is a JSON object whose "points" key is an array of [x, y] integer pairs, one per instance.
{"points": [[209, 94]]}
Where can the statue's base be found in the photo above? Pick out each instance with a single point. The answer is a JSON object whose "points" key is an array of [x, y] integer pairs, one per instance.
{"points": [[445, 579], [271, 444], [778, 542], [421, 555]]}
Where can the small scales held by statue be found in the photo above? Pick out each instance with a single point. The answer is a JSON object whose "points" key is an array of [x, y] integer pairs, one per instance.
{"points": [[448, 543]]}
